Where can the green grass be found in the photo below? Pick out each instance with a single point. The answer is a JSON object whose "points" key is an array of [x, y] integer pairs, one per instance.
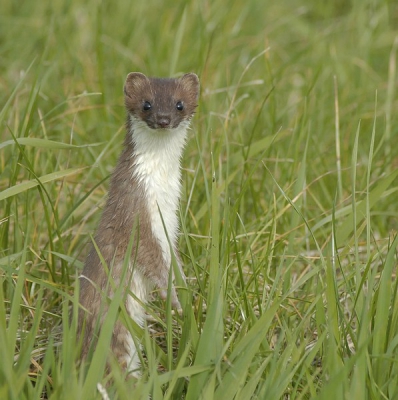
{"points": [[289, 204]]}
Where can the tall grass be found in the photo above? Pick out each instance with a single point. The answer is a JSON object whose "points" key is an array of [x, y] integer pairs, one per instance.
{"points": [[289, 205]]}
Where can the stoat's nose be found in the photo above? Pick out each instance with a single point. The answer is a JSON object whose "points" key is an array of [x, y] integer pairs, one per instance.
{"points": [[163, 121]]}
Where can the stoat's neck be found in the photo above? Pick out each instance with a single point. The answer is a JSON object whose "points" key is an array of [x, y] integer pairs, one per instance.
{"points": [[165, 145]]}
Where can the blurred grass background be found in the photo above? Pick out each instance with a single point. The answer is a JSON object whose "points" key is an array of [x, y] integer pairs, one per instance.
{"points": [[289, 204]]}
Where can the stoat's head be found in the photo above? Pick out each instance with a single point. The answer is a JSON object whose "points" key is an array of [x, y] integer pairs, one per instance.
{"points": [[161, 103]]}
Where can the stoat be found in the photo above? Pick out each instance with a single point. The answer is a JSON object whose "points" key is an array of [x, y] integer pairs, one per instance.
{"points": [[144, 193]]}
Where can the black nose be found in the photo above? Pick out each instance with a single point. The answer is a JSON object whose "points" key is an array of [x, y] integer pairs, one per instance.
{"points": [[163, 121]]}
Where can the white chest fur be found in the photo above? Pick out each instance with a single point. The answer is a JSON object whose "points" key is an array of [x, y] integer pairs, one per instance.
{"points": [[157, 167]]}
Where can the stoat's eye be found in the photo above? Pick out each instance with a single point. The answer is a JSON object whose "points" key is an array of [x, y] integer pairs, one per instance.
{"points": [[179, 106], [146, 106]]}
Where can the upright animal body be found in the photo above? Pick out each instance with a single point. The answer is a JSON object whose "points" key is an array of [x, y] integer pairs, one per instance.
{"points": [[144, 193]]}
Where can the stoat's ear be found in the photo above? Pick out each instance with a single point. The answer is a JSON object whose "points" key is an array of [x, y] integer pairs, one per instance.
{"points": [[134, 83], [190, 82]]}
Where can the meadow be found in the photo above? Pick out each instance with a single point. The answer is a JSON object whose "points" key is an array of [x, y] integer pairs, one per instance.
{"points": [[289, 210]]}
